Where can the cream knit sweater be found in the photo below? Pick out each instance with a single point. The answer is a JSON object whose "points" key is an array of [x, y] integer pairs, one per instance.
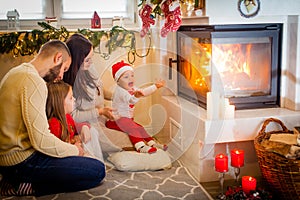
{"points": [[23, 122]]}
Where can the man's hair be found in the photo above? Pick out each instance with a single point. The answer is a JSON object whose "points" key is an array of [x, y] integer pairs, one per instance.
{"points": [[53, 46]]}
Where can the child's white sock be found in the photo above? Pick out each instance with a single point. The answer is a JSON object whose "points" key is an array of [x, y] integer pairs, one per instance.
{"points": [[147, 149], [143, 148]]}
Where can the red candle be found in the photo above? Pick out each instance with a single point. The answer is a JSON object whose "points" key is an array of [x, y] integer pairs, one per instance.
{"points": [[237, 158], [221, 163], [248, 184]]}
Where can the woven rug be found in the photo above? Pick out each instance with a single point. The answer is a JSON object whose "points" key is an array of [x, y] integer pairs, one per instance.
{"points": [[174, 183]]}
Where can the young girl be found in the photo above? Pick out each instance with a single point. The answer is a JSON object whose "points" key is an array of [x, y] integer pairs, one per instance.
{"points": [[60, 103], [124, 98]]}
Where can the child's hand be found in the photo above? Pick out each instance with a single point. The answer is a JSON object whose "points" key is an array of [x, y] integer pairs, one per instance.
{"points": [[160, 83], [85, 134], [76, 139], [80, 149], [138, 93]]}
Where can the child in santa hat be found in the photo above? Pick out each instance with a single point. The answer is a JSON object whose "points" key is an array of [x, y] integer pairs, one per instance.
{"points": [[126, 95]]}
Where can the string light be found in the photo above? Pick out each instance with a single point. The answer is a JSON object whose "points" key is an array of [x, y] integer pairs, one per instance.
{"points": [[29, 42]]}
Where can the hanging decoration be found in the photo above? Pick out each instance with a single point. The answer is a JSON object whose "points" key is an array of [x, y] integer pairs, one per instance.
{"points": [[169, 9], [248, 8], [172, 13], [147, 19], [29, 42]]}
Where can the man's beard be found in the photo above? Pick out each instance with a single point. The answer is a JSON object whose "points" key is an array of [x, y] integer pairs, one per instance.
{"points": [[53, 73]]}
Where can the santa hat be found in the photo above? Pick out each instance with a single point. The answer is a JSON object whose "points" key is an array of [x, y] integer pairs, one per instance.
{"points": [[119, 68]]}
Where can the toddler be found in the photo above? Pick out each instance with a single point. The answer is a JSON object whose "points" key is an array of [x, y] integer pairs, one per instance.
{"points": [[126, 95]]}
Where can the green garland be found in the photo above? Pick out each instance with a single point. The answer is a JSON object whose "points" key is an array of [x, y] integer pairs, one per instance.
{"points": [[28, 43]]}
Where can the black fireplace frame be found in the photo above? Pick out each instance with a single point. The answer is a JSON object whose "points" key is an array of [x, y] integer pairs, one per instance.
{"points": [[237, 30]]}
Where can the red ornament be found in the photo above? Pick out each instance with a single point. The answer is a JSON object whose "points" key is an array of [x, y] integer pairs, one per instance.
{"points": [[96, 21]]}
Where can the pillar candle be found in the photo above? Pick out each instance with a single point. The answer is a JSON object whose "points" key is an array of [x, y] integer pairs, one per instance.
{"points": [[248, 184], [237, 158], [221, 163], [229, 112], [226, 110], [212, 105]]}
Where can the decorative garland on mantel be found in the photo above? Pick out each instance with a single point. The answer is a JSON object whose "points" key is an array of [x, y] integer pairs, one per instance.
{"points": [[29, 42]]}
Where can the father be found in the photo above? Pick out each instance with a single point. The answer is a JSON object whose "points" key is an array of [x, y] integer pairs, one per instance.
{"points": [[32, 160]]}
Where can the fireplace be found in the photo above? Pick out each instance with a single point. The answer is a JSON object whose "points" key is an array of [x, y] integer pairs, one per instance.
{"points": [[241, 62]]}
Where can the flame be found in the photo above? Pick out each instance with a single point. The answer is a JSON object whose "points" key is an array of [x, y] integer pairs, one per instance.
{"points": [[235, 63], [231, 58]]}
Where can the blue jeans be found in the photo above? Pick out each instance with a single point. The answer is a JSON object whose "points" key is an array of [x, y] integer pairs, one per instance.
{"points": [[50, 175]]}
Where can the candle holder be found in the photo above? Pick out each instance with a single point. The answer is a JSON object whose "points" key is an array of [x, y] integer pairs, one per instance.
{"points": [[221, 165], [237, 171], [221, 179], [237, 161]]}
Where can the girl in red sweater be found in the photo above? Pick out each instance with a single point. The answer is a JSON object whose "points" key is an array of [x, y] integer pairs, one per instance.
{"points": [[60, 104]]}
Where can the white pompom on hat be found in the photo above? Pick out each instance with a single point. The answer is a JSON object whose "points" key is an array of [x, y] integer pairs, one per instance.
{"points": [[119, 68]]}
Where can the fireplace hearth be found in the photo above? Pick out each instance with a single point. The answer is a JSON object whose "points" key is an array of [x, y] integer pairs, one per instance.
{"points": [[241, 62]]}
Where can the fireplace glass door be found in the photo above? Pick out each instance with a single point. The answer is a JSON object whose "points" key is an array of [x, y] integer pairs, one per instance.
{"points": [[241, 62]]}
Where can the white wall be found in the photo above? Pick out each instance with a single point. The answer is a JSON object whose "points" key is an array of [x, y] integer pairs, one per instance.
{"points": [[273, 11], [220, 11]]}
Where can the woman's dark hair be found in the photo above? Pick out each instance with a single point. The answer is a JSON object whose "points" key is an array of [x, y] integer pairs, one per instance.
{"points": [[80, 79], [79, 47]]}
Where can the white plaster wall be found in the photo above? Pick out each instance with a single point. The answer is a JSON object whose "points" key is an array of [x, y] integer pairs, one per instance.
{"points": [[275, 11], [220, 11]]}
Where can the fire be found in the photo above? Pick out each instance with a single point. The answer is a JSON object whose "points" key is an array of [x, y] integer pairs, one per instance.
{"points": [[231, 58], [235, 63]]}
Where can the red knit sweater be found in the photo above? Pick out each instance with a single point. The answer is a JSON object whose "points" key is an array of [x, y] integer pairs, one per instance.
{"points": [[56, 129]]}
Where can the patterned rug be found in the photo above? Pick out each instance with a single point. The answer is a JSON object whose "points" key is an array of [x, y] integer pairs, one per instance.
{"points": [[174, 183]]}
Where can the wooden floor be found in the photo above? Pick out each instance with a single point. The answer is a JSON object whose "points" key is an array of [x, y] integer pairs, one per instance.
{"points": [[214, 188]]}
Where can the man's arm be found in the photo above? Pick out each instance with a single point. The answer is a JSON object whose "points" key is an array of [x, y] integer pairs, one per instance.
{"points": [[33, 103]]}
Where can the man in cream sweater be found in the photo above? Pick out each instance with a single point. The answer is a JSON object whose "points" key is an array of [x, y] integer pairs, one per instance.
{"points": [[32, 160]]}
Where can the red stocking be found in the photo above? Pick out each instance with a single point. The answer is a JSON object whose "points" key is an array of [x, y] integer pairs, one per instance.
{"points": [[172, 17], [145, 14], [165, 7]]}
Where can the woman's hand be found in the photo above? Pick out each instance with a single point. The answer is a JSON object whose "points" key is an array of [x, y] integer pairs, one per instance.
{"points": [[85, 134], [107, 112]]}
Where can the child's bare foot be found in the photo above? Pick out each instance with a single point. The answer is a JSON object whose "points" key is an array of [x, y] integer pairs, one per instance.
{"points": [[160, 146]]}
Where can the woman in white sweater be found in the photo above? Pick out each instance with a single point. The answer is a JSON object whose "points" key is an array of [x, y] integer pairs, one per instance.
{"points": [[85, 79], [88, 90]]}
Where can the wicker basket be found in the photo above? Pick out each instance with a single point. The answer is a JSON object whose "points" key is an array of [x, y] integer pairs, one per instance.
{"points": [[282, 175]]}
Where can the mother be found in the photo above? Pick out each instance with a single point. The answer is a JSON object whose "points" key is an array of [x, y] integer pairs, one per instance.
{"points": [[87, 88]]}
